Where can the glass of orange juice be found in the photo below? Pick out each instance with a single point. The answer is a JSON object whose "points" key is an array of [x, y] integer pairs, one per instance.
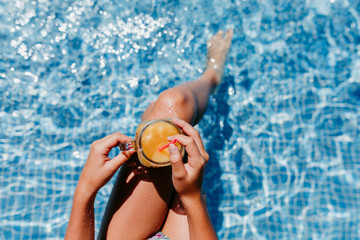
{"points": [[150, 138]]}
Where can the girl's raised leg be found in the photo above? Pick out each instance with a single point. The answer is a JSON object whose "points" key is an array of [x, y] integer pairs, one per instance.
{"points": [[139, 202]]}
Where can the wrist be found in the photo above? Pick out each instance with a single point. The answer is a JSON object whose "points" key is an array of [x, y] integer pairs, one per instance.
{"points": [[191, 199], [83, 196]]}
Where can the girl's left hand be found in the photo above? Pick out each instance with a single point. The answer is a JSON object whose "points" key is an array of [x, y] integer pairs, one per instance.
{"points": [[99, 168], [187, 178]]}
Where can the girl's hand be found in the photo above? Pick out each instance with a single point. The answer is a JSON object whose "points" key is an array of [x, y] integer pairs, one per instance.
{"points": [[187, 178], [99, 168]]}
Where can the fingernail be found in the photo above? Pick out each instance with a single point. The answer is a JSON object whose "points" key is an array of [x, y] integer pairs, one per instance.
{"points": [[172, 140], [172, 148], [175, 118]]}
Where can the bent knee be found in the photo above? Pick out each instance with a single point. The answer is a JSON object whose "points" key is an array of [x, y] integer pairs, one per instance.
{"points": [[181, 103], [177, 98]]}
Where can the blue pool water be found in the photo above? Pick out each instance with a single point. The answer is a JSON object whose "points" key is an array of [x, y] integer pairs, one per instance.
{"points": [[282, 131]]}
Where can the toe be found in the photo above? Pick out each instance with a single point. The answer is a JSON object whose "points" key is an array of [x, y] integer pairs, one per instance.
{"points": [[217, 37], [228, 36], [219, 33]]}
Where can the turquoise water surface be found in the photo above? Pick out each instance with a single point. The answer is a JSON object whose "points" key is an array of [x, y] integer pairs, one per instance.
{"points": [[282, 131]]}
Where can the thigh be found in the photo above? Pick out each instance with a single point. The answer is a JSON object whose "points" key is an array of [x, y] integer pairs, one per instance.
{"points": [[176, 223]]}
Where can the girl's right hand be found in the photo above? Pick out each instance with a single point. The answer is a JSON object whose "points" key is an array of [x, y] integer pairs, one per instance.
{"points": [[187, 178], [99, 168]]}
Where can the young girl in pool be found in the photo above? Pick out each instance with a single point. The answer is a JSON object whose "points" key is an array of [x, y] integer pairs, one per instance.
{"points": [[143, 203]]}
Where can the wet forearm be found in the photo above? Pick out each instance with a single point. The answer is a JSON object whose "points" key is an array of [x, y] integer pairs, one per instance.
{"points": [[200, 226], [81, 222]]}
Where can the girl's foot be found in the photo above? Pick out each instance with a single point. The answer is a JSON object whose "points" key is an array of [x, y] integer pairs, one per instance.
{"points": [[218, 48]]}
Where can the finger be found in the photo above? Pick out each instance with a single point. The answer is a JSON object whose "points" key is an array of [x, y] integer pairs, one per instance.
{"points": [[189, 144], [119, 160], [186, 127], [105, 138], [190, 131], [191, 149], [105, 144], [115, 139], [177, 165]]}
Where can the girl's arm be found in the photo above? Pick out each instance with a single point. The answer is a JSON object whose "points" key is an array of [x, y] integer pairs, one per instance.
{"points": [[81, 222], [187, 180], [200, 226], [98, 170]]}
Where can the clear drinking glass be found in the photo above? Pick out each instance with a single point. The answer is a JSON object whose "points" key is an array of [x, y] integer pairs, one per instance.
{"points": [[150, 137]]}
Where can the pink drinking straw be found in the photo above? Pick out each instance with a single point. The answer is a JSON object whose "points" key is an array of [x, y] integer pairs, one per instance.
{"points": [[166, 145]]}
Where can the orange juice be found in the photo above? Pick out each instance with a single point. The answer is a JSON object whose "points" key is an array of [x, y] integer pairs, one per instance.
{"points": [[152, 135]]}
